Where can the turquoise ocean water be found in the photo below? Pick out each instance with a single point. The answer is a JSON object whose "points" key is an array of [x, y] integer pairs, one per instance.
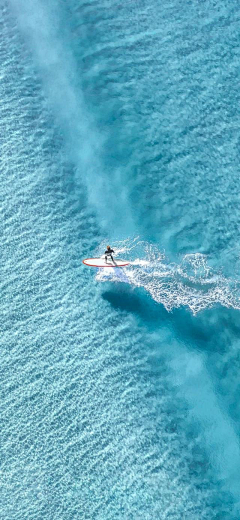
{"points": [[120, 124]]}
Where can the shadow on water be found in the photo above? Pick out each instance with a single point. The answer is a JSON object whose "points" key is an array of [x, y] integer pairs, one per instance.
{"points": [[212, 329]]}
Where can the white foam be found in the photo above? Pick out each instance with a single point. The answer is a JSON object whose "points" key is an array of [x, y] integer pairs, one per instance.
{"points": [[191, 283]]}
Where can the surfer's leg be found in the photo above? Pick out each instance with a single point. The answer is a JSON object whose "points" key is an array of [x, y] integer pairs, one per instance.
{"points": [[106, 258]]}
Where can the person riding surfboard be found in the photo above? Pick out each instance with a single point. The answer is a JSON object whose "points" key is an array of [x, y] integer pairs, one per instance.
{"points": [[108, 253], [104, 262]]}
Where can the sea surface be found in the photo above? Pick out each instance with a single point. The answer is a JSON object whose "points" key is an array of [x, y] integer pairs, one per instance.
{"points": [[120, 125]]}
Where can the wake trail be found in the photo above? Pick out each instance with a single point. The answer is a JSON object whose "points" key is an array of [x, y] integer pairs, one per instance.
{"points": [[192, 283], [85, 143]]}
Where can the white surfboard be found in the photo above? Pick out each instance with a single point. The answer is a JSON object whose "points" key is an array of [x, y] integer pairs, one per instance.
{"points": [[100, 262]]}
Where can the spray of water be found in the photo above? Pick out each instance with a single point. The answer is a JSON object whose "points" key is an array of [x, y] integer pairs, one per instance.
{"points": [[191, 283]]}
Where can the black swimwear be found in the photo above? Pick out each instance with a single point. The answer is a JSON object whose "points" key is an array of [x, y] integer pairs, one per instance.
{"points": [[109, 253]]}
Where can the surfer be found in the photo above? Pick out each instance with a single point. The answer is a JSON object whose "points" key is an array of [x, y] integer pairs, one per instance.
{"points": [[108, 253]]}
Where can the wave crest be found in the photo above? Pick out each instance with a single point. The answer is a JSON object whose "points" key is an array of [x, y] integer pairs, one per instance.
{"points": [[191, 283]]}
